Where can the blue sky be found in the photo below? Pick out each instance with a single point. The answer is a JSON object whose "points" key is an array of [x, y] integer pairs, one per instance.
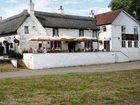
{"points": [[74, 7]]}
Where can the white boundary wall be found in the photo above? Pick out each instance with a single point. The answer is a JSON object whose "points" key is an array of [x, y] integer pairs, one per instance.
{"points": [[52, 60]]}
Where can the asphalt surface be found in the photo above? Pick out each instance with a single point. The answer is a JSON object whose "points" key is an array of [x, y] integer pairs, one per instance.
{"points": [[82, 69]]}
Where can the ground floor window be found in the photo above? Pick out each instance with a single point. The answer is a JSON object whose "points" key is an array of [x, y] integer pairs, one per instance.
{"points": [[56, 44], [136, 44], [123, 44], [88, 45], [129, 43]]}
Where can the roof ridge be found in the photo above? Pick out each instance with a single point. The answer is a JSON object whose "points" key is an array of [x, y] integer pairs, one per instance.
{"points": [[24, 12], [119, 10], [64, 16]]}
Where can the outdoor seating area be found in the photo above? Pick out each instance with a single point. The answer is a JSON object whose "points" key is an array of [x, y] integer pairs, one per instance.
{"points": [[71, 42]]}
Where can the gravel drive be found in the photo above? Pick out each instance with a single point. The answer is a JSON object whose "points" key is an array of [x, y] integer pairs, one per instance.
{"points": [[59, 71]]}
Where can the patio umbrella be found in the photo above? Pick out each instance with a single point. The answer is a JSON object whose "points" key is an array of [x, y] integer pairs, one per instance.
{"points": [[41, 38], [67, 38], [86, 39]]}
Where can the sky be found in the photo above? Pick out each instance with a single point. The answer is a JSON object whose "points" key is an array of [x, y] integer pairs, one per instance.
{"points": [[74, 7]]}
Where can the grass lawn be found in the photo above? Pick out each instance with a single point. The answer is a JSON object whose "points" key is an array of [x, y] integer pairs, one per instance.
{"points": [[6, 66], [109, 88]]}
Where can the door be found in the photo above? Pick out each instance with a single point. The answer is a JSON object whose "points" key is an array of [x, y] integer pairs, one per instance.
{"points": [[71, 46], [107, 45]]}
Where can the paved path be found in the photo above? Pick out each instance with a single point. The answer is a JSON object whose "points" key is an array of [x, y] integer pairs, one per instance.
{"points": [[59, 71]]}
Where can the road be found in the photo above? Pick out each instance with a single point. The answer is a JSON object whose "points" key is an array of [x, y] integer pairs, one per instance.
{"points": [[60, 71]]}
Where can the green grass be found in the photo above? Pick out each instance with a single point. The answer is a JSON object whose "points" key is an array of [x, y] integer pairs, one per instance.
{"points": [[6, 66], [109, 88]]}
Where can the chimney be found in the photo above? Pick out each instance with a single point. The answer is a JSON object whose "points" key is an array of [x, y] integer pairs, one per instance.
{"points": [[31, 7], [92, 14], [0, 18], [61, 10]]}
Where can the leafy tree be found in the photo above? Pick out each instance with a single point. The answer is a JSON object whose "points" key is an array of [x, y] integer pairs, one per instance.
{"points": [[131, 6]]}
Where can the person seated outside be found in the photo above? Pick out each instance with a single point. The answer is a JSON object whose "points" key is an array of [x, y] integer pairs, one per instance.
{"points": [[44, 50], [40, 50], [35, 50], [30, 50]]}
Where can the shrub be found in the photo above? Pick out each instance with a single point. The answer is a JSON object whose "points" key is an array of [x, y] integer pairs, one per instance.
{"points": [[14, 54]]}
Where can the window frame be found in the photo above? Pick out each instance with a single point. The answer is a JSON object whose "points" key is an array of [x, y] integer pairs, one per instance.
{"points": [[123, 44], [81, 32], [104, 28], [26, 29], [129, 44], [136, 45], [123, 29], [55, 32], [136, 30]]}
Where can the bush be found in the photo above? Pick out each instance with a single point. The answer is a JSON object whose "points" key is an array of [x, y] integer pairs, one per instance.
{"points": [[14, 54]]}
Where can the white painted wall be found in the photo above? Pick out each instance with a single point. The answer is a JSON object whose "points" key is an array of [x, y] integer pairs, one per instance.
{"points": [[104, 36], [51, 60]]}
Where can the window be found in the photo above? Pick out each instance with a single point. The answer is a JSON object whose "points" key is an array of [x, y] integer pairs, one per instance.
{"points": [[55, 32], [26, 30], [88, 45], [123, 44], [129, 43], [94, 34], [11, 45], [136, 30], [56, 44], [81, 33], [123, 29], [136, 44], [40, 45], [104, 28]]}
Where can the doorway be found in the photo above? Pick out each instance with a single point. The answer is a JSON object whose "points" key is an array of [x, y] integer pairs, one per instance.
{"points": [[107, 45], [71, 46]]}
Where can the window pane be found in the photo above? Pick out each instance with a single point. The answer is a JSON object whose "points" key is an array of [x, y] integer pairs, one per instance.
{"points": [[129, 43], [55, 32], [26, 30], [123, 29], [135, 43], [135, 30], [123, 44], [81, 33]]}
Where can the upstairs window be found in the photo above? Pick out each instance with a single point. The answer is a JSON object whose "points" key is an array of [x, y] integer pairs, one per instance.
{"points": [[123, 29], [136, 30], [94, 34], [81, 33], [26, 29], [55, 32], [104, 28]]}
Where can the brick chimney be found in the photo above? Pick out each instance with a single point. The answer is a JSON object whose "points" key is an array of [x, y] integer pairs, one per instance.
{"points": [[61, 10], [31, 7]]}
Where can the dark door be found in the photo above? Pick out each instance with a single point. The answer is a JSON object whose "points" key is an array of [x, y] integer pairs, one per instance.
{"points": [[71, 46], [107, 45]]}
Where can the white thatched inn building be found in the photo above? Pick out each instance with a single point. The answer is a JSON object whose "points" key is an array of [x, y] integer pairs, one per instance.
{"points": [[114, 34], [31, 24]]}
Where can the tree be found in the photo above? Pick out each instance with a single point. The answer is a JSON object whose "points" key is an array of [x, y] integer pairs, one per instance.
{"points": [[130, 6]]}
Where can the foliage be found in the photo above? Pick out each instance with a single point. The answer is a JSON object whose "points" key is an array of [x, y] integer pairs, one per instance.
{"points": [[14, 54], [106, 88], [131, 6]]}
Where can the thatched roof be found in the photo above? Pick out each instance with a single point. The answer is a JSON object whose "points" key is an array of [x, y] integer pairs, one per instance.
{"points": [[52, 20], [65, 21], [10, 25]]}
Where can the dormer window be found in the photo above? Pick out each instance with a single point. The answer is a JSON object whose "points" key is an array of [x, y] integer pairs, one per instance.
{"points": [[123, 29], [81, 33], [55, 32], [26, 29]]}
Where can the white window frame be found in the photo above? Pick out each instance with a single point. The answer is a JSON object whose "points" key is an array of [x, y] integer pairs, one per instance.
{"points": [[123, 29], [26, 29]]}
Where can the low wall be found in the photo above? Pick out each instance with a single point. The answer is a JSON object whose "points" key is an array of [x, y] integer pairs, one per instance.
{"points": [[51, 60]]}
